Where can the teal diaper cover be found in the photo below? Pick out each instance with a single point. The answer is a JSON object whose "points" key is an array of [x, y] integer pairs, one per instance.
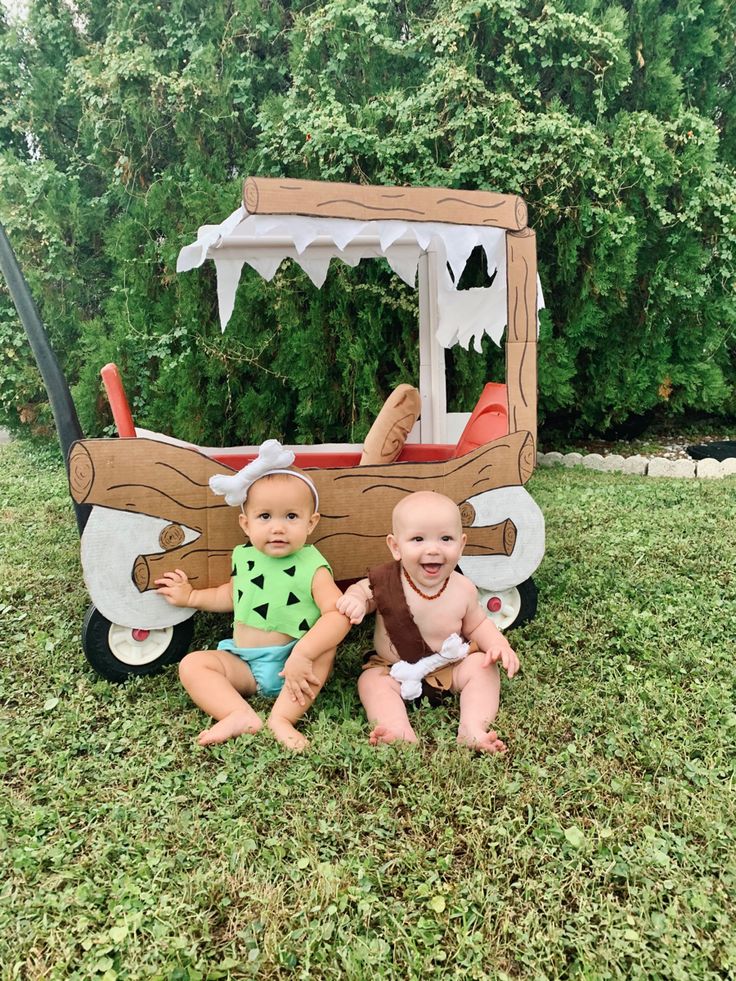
{"points": [[264, 662]]}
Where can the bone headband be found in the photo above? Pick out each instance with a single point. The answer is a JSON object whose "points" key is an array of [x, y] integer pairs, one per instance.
{"points": [[272, 458]]}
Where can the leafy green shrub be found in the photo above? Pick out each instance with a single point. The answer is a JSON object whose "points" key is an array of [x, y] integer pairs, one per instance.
{"points": [[144, 120]]}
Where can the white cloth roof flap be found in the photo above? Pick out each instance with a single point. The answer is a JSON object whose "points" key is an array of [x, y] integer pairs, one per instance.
{"points": [[264, 241]]}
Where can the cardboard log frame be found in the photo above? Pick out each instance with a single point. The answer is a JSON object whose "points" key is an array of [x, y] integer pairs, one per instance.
{"points": [[521, 330], [163, 481]]}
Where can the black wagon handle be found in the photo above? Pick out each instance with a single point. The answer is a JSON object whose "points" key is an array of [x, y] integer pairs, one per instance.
{"points": [[68, 428]]}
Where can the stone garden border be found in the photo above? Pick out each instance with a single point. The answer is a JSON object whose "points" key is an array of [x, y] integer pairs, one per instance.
{"points": [[644, 466]]}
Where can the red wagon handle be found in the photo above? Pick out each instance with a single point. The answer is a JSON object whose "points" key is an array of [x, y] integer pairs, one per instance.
{"points": [[118, 401]]}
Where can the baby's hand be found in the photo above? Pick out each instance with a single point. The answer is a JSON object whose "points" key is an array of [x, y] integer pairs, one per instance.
{"points": [[175, 587], [351, 606], [503, 652], [299, 677]]}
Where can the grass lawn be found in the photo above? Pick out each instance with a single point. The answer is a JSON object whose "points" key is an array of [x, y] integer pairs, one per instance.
{"points": [[601, 846]]}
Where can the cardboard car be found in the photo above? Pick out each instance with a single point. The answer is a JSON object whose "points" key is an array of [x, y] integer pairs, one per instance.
{"points": [[147, 505]]}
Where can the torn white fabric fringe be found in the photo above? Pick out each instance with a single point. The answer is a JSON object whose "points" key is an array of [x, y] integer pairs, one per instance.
{"points": [[264, 241]]}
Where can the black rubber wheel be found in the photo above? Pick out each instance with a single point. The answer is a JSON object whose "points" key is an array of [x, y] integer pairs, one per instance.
{"points": [[117, 652], [513, 607]]}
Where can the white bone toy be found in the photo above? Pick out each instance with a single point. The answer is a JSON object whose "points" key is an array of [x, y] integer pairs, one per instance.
{"points": [[410, 675]]}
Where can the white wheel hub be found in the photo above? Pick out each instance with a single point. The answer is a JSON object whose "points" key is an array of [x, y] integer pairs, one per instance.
{"points": [[503, 606], [138, 647]]}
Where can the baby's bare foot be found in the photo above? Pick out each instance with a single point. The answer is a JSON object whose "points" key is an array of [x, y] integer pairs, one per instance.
{"points": [[382, 734], [286, 734], [482, 742], [235, 724]]}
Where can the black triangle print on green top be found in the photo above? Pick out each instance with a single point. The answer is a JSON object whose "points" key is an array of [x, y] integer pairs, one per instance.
{"points": [[304, 625], [258, 581], [290, 571], [292, 600], [261, 610]]}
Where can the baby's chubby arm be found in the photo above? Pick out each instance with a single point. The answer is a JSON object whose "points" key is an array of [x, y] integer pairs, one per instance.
{"points": [[177, 590], [326, 633], [356, 601], [479, 627]]}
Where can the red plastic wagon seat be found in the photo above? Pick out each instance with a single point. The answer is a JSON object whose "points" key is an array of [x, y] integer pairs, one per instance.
{"points": [[489, 420]]}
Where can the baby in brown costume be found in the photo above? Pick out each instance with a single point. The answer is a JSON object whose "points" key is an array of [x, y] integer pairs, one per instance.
{"points": [[420, 600]]}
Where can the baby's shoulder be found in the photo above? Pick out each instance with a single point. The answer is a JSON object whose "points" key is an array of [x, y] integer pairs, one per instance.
{"points": [[311, 558], [464, 585], [240, 556]]}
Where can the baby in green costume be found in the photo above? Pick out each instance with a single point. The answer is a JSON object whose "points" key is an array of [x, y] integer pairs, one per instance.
{"points": [[286, 625]]}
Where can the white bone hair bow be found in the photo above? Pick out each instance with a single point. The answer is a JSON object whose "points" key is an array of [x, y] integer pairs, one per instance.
{"points": [[272, 458], [410, 675]]}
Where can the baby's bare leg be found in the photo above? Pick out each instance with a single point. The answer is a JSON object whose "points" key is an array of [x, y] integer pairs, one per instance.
{"points": [[217, 681], [384, 706], [286, 711], [480, 690]]}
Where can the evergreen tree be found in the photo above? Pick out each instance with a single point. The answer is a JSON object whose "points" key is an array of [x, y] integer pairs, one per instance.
{"points": [[125, 126]]}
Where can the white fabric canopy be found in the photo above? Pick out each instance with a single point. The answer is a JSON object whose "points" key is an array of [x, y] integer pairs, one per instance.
{"points": [[264, 241]]}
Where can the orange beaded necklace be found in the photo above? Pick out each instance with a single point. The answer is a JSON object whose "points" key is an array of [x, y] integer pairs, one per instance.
{"points": [[418, 591]]}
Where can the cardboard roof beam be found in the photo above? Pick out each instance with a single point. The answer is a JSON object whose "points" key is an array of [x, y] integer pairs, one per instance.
{"points": [[364, 202]]}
